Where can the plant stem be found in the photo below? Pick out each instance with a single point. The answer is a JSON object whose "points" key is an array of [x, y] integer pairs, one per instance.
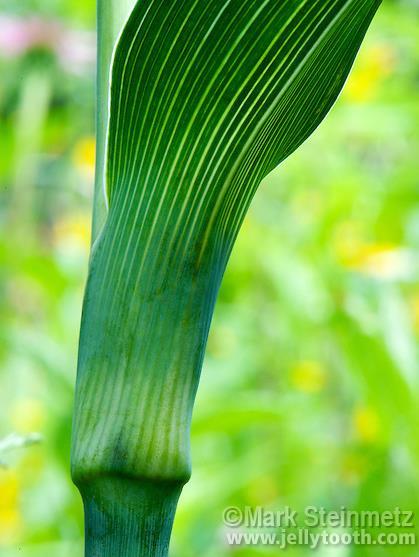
{"points": [[111, 16], [135, 390], [128, 518]]}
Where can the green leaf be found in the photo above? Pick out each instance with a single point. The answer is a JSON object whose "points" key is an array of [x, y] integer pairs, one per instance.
{"points": [[206, 99]]}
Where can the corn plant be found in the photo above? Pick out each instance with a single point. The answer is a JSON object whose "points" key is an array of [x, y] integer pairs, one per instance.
{"points": [[197, 103]]}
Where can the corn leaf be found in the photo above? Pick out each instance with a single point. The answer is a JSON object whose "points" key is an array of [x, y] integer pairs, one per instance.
{"points": [[206, 99]]}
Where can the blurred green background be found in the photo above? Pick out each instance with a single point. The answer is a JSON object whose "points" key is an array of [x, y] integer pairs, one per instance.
{"points": [[310, 387]]}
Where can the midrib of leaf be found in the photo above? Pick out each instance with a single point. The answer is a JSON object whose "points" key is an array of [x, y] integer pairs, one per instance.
{"points": [[206, 99]]}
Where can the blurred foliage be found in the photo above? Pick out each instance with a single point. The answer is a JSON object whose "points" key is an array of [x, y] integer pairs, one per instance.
{"points": [[309, 392]]}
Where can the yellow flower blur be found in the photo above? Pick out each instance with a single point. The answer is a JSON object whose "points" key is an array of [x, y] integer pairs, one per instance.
{"points": [[374, 65], [10, 517], [309, 376], [366, 424]]}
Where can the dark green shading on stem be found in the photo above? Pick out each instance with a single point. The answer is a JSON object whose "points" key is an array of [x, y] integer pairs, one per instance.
{"points": [[206, 99], [128, 518]]}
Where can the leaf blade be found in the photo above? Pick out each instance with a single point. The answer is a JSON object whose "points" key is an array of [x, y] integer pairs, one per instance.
{"points": [[205, 101]]}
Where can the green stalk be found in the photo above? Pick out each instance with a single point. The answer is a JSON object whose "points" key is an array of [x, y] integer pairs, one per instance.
{"points": [[123, 516], [111, 16], [128, 517], [206, 99]]}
